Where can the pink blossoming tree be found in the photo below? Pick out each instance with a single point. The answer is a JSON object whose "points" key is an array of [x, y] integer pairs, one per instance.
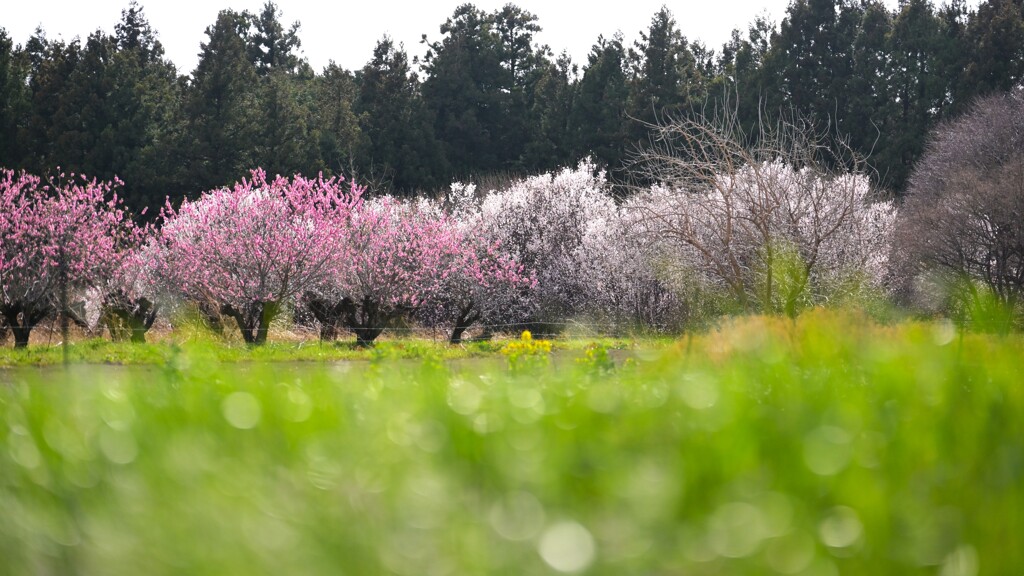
{"points": [[130, 293], [397, 256], [247, 250], [484, 283], [58, 238]]}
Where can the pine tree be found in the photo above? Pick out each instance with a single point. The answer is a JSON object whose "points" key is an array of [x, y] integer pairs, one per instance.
{"points": [[550, 105], [917, 93], [995, 36], [14, 99], [462, 91], [663, 73], [598, 125], [338, 133], [222, 106], [399, 151], [271, 47]]}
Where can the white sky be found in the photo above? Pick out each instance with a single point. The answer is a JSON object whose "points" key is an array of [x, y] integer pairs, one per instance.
{"points": [[347, 31]]}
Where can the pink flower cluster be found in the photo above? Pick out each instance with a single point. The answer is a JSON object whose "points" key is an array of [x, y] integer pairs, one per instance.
{"points": [[248, 250], [64, 234]]}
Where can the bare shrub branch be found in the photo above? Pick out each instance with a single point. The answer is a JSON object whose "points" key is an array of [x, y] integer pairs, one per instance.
{"points": [[780, 221], [964, 214]]}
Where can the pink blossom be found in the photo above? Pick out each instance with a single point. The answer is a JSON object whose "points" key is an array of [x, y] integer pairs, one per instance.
{"points": [[248, 249], [69, 231]]}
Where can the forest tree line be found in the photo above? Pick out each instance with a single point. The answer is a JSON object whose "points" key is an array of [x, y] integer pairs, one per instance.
{"points": [[487, 100]]}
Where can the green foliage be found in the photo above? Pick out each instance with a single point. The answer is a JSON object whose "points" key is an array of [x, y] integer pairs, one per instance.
{"points": [[784, 279], [598, 125], [595, 359], [975, 306], [827, 444], [222, 106], [664, 77]]}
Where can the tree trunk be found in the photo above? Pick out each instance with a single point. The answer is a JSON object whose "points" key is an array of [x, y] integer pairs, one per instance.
{"points": [[21, 334], [22, 318], [128, 319], [143, 317], [253, 321], [240, 318], [366, 336], [367, 319], [211, 317], [328, 314], [467, 317], [268, 311]]}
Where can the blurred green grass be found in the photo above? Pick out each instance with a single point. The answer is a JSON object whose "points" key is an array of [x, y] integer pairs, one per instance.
{"points": [[823, 445]]}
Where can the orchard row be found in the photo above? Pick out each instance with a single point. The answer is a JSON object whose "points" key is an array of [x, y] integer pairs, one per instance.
{"points": [[548, 248], [714, 225]]}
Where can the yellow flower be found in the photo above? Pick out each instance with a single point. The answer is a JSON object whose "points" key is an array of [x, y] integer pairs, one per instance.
{"points": [[526, 337]]}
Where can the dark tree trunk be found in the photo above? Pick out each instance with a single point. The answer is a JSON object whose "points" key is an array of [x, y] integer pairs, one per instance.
{"points": [[22, 318], [268, 311], [128, 319], [253, 320], [211, 316], [21, 334], [467, 317], [328, 314], [368, 319]]}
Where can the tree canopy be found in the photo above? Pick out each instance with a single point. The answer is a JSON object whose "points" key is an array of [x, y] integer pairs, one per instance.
{"points": [[487, 99]]}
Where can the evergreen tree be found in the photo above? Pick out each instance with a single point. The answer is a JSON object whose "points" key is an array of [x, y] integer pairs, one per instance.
{"points": [[222, 106], [550, 103], [338, 132], [462, 91], [135, 35], [954, 55], [399, 151], [481, 88], [523, 67], [598, 125], [995, 36], [811, 58], [125, 91], [664, 77], [286, 142], [867, 119], [148, 98], [51, 65], [271, 47], [744, 79], [14, 99], [916, 93]]}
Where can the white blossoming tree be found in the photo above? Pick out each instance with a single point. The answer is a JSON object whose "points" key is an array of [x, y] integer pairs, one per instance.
{"points": [[777, 225]]}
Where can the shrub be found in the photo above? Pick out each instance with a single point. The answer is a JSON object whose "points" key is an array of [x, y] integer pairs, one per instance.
{"points": [[963, 220], [777, 225]]}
